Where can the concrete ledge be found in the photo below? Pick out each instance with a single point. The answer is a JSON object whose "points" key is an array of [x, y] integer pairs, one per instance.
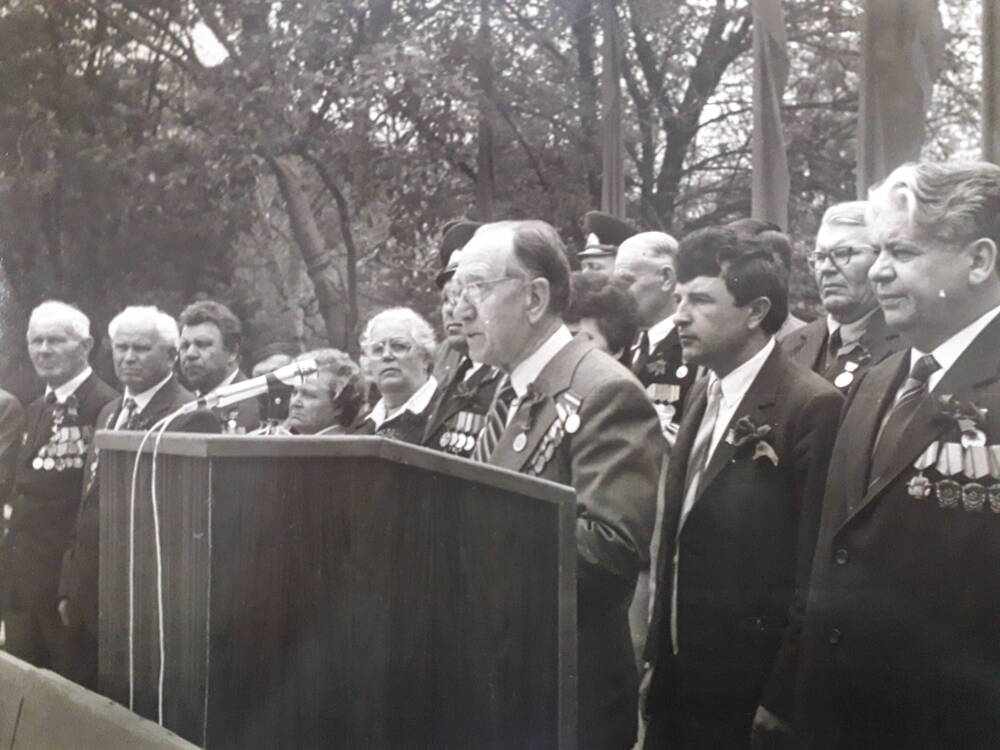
{"points": [[39, 710]]}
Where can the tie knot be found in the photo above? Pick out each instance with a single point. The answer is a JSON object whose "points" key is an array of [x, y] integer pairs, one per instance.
{"points": [[50, 398], [129, 404], [924, 367]]}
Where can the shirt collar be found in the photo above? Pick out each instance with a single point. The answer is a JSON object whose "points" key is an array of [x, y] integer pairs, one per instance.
{"points": [[736, 384], [850, 333], [528, 371], [68, 388], [225, 381], [660, 331], [947, 353], [415, 403], [142, 399]]}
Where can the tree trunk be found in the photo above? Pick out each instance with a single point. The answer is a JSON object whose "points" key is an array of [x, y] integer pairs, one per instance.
{"points": [[319, 261]]}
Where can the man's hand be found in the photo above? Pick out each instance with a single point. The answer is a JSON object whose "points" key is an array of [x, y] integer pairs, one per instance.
{"points": [[65, 613], [771, 733]]}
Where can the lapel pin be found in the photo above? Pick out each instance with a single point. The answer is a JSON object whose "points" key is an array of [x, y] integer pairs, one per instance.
{"points": [[520, 442], [682, 371]]}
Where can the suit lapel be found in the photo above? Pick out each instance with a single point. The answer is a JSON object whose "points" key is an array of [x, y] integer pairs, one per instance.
{"points": [[539, 412], [879, 340], [809, 343], [755, 404], [160, 405], [977, 367]]}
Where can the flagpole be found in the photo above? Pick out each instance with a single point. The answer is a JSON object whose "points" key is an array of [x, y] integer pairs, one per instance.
{"points": [[770, 182], [612, 156], [991, 81]]}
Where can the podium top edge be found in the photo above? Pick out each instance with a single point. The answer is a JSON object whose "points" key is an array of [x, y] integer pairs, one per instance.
{"points": [[200, 445]]}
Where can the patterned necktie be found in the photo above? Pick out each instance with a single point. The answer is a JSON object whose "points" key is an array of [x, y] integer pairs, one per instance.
{"points": [[640, 353], [496, 421], [898, 417], [698, 458], [697, 461], [126, 417]]}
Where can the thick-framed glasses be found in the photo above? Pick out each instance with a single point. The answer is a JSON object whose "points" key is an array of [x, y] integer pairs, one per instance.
{"points": [[396, 347], [840, 256], [474, 291]]}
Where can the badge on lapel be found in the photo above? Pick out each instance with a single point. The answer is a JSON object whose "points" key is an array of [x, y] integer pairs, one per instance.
{"points": [[746, 436]]}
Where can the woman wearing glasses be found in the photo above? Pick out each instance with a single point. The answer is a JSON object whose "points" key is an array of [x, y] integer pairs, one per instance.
{"points": [[397, 350]]}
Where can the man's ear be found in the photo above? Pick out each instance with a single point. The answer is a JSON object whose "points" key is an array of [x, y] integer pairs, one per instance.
{"points": [[88, 346], [669, 277], [539, 293], [983, 253], [759, 308]]}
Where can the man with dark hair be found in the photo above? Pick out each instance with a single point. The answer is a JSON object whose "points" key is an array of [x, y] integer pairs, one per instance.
{"points": [[779, 245], [741, 497], [465, 387], [899, 646], [571, 414], [49, 478], [604, 234], [853, 335], [210, 357]]}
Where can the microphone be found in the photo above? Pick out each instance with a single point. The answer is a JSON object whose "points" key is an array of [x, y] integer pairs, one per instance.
{"points": [[291, 374]]}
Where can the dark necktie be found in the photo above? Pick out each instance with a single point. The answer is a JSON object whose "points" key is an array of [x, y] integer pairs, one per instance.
{"points": [[462, 370], [640, 352], [496, 421], [833, 347], [898, 417]]}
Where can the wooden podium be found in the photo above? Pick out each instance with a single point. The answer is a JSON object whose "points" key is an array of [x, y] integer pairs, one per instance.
{"points": [[338, 592]]}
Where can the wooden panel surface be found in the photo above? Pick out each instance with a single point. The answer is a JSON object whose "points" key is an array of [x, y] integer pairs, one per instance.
{"points": [[349, 601]]}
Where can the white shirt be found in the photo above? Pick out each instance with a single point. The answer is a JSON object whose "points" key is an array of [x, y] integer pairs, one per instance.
{"points": [[415, 403], [850, 333], [947, 353], [659, 331], [141, 399], [734, 387], [525, 373], [68, 388]]}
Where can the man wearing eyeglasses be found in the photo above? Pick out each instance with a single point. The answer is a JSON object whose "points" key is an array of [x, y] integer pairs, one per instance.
{"points": [[853, 336], [570, 413]]}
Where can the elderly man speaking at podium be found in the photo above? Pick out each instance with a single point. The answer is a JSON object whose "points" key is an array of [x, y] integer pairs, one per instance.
{"points": [[571, 414]]}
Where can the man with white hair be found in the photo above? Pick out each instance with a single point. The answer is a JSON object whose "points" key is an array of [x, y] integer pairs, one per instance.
{"points": [[49, 476], [853, 336], [571, 414], [144, 348], [645, 262], [899, 646]]}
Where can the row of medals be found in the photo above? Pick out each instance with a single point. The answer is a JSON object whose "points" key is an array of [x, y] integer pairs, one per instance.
{"points": [[973, 459], [566, 423], [462, 438], [66, 449]]}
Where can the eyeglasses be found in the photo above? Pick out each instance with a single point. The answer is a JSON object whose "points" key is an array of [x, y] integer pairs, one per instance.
{"points": [[397, 347], [839, 256], [474, 291]]}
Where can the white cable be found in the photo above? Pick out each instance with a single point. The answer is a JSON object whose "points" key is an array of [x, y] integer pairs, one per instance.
{"points": [[164, 422], [159, 576]]}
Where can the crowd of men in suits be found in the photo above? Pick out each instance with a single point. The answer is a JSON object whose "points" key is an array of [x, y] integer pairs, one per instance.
{"points": [[791, 528]]}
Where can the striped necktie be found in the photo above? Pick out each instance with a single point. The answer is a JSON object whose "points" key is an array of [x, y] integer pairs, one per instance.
{"points": [[496, 421], [898, 417]]}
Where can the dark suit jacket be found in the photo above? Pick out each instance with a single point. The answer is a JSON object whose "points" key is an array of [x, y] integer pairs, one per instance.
{"points": [[901, 643], [746, 542], [612, 461], [807, 346], [11, 431], [78, 581], [455, 398], [241, 417], [661, 369], [44, 506]]}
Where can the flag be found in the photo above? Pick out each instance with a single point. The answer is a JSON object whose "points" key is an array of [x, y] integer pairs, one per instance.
{"points": [[991, 80], [770, 181], [612, 158], [901, 50]]}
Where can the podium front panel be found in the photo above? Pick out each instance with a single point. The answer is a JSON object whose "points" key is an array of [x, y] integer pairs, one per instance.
{"points": [[339, 592]]}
